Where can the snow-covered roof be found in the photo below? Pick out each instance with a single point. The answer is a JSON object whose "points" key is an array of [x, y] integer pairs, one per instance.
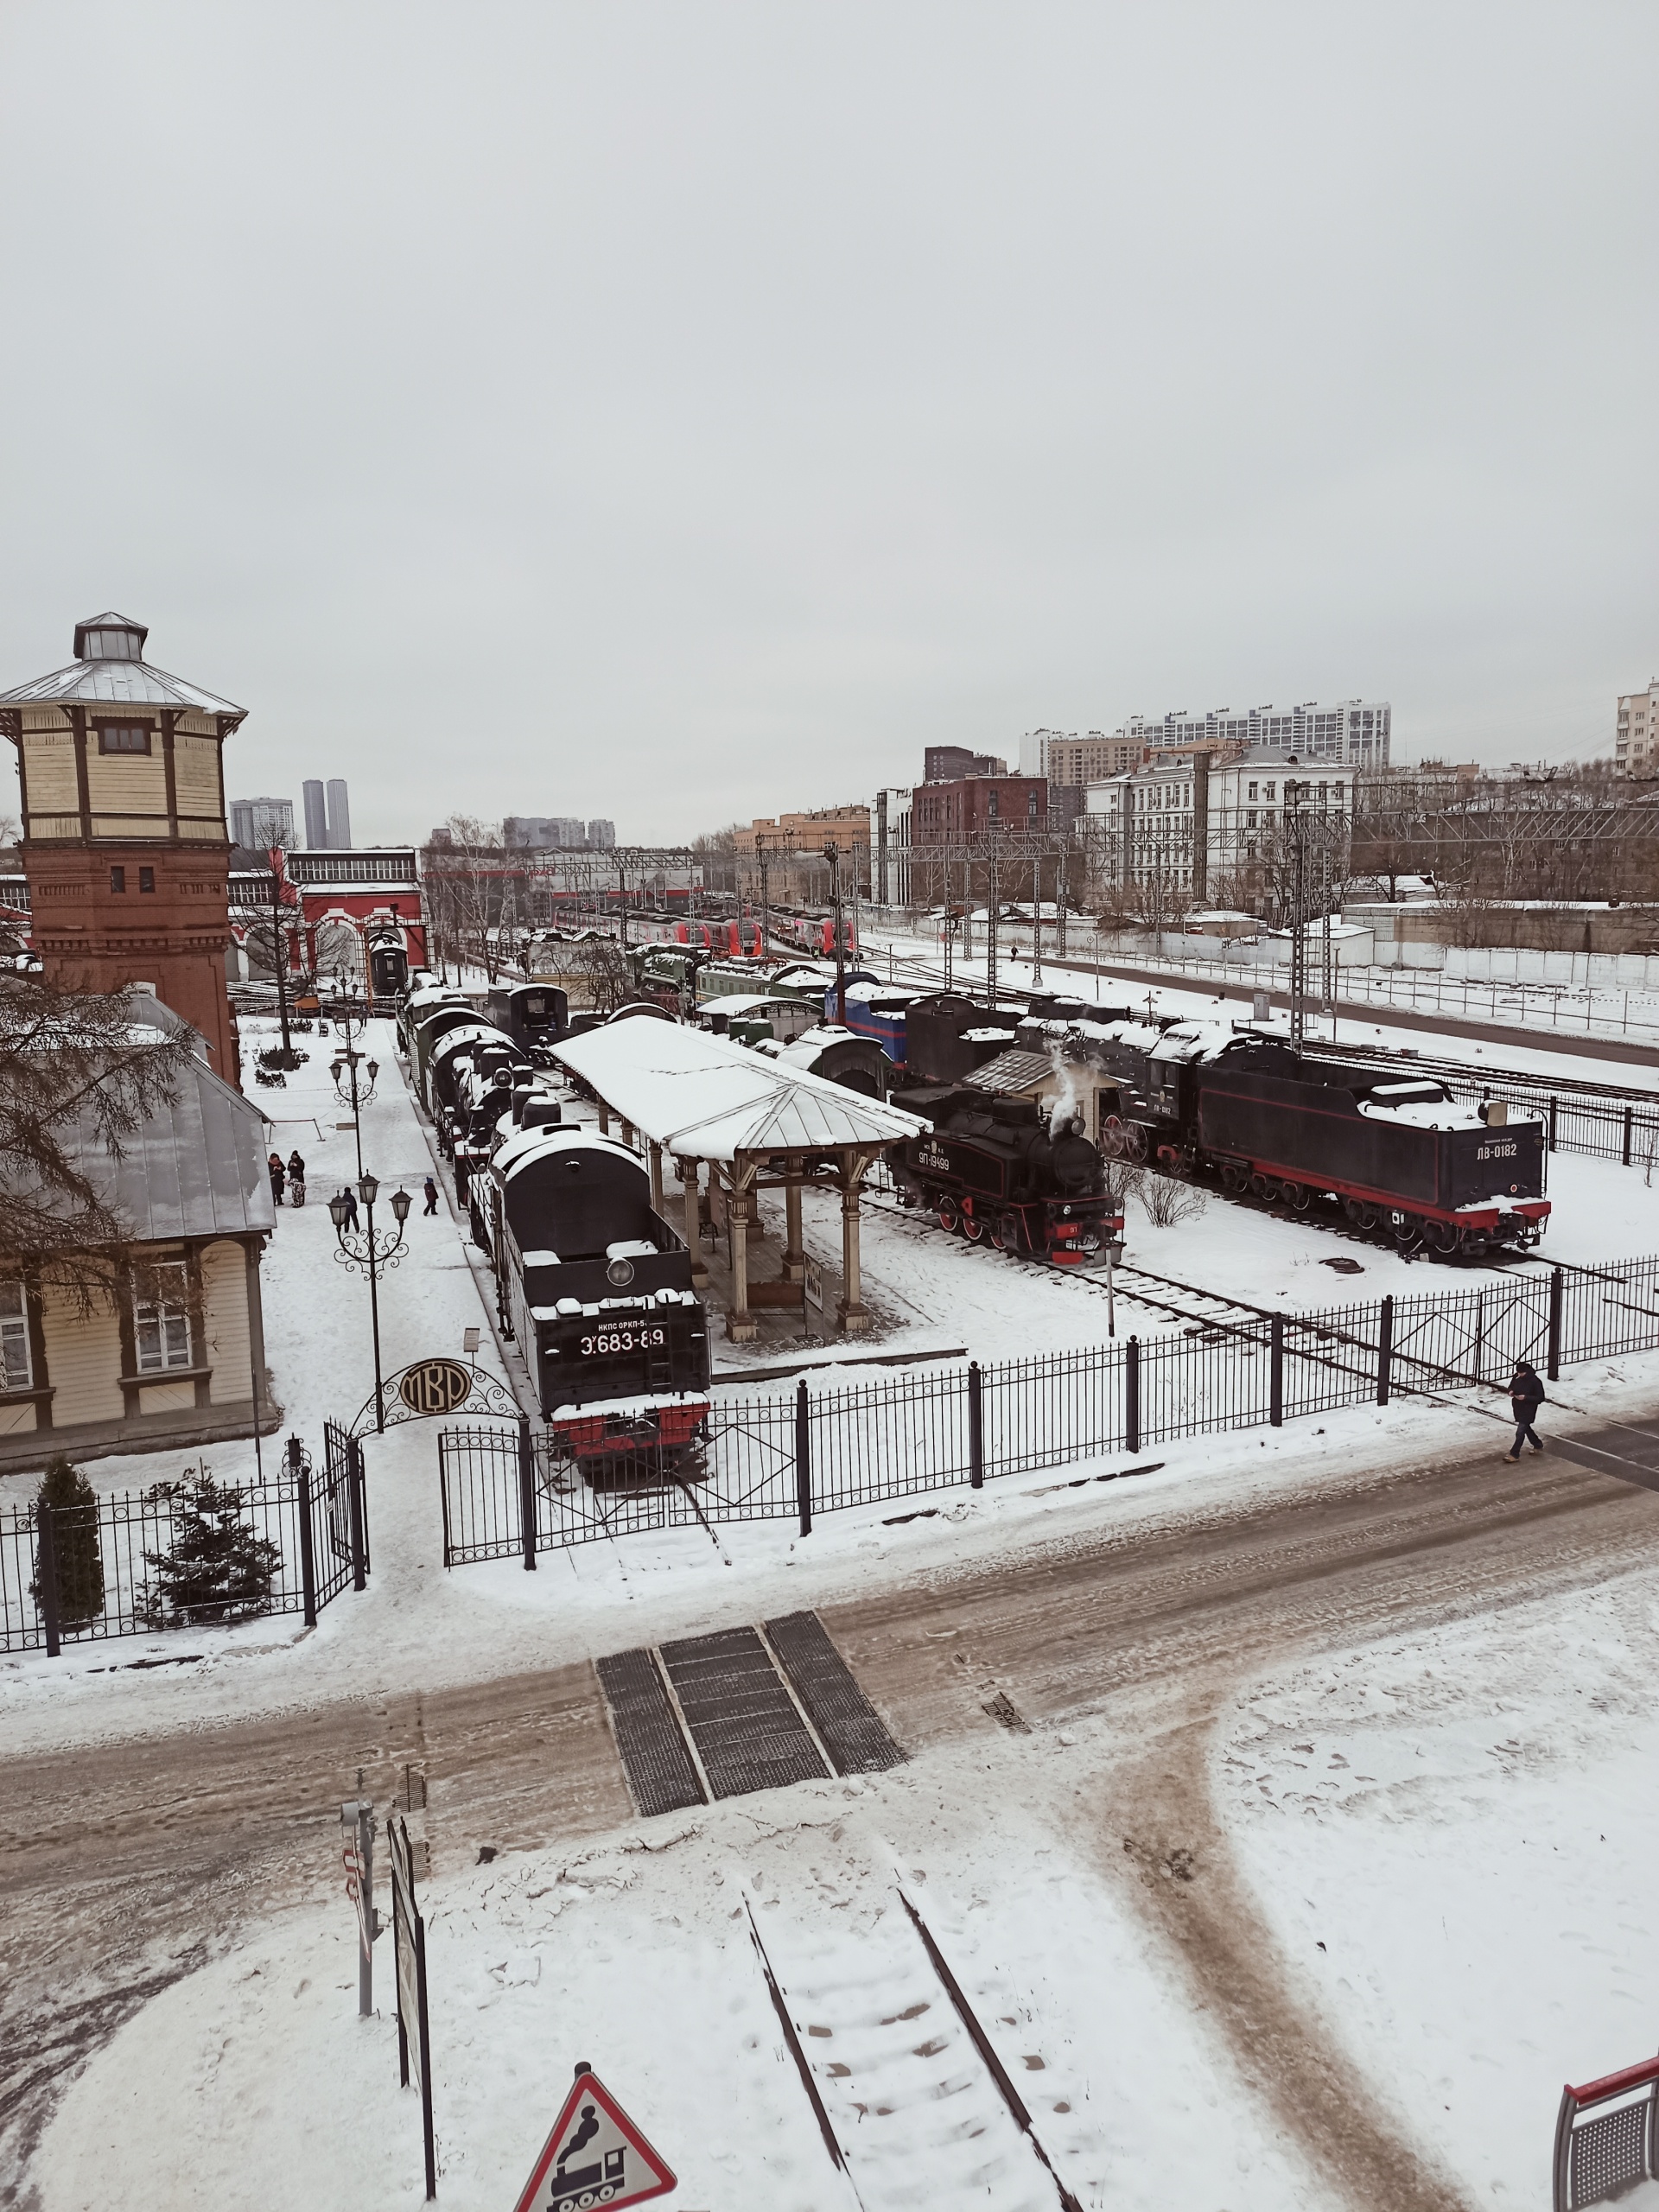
{"points": [[558, 1136], [891, 994], [1011, 1074], [705, 1098], [745, 1002]]}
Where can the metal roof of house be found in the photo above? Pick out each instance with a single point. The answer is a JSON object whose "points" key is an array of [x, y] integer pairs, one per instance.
{"points": [[197, 1167], [116, 683], [704, 1097]]}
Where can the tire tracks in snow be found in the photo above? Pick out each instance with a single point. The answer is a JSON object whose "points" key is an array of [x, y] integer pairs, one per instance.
{"points": [[1175, 1851]]}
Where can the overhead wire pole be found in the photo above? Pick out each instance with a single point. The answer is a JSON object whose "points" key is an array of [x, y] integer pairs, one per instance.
{"points": [[990, 922], [1295, 823]]}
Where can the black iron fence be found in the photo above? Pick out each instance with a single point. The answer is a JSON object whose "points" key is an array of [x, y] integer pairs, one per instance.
{"points": [[191, 1554], [507, 1493]]}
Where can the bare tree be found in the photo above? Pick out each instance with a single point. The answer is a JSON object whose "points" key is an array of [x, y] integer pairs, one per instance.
{"points": [[79, 1079], [466, 874], [599, 965]]}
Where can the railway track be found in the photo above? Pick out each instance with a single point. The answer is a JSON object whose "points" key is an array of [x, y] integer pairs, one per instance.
{"points": [[885, 2042]]}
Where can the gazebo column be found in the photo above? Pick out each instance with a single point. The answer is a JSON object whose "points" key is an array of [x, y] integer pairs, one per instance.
{"points": [[794, 1257], [656, 1154], [627, 1134], [741, 1324], [851, 1314], [604, 1119], [687, 1172]]}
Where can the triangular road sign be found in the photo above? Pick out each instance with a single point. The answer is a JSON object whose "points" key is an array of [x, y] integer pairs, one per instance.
{"points": [[595, 2155]]}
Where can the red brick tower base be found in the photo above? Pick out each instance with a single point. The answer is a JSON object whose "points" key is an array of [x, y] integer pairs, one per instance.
{"points": [[93, 935]]}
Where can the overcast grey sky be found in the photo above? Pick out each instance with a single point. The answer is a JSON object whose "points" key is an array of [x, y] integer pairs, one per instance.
{"points": [[678, 412]]}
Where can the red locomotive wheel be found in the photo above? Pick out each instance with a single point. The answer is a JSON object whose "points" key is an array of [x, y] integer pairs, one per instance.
{"points": [[1111, 1137], [1135, 1147], [1298, 1197], [950, 1219], [973, 1227]]}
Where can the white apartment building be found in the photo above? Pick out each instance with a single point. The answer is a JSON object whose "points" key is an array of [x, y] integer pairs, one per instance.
{"points": [[1142, 829], [890, 846], [1636, 742], [1356, 731], [1168, 827]]}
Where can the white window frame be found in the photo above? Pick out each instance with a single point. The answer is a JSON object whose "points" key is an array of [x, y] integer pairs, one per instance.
{"points": [[162, 1333], [17, 1352]]}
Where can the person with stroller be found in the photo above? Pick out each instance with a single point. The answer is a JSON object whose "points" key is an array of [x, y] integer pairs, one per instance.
{"points": [[297, 1178], [1526, 1395]]}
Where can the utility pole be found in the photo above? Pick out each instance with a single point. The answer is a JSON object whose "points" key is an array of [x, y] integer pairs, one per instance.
{"points": [[1329, 993], [990, 923], [1294, 826], [765, 909], [1036, 918], [622, 899], [832, 853]]}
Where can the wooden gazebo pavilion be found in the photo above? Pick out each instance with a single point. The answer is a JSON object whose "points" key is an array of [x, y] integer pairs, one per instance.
{"points": [[756, 1124]]}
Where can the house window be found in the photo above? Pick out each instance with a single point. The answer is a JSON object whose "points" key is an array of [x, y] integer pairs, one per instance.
{"points": [[161, 1316], [1252, 791], [146, 879], [118, 879], [17, 1364], [123, 737]]}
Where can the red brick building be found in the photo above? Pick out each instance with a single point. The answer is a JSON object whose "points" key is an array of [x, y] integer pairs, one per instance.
{"points": [[125, 845], [962, 812]]}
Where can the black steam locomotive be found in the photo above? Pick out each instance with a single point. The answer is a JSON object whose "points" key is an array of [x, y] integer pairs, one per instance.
{"points": [[597, 1290], [1397, 1155], [1015, 1172]]}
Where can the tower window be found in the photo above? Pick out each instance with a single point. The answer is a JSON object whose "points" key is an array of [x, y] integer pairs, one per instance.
{"points": [[146, 879], [118, 879], [123, 737]]}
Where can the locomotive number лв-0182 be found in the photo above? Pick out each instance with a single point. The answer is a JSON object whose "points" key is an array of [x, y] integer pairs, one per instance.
{"points": [[1495, 1151], [610, 1340]]}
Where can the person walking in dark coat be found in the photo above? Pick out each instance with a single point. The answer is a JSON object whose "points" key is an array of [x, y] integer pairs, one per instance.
{"points": [[278, 1176], [1526, 1395], [431, 1195], [350, 1197]]}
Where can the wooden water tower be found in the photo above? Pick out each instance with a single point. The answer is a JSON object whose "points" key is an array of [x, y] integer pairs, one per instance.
{"points": [[124, 842]]}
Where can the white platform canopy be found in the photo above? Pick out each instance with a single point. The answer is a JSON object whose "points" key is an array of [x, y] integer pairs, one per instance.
{"points": [[703, 1098], [699, 1097]]}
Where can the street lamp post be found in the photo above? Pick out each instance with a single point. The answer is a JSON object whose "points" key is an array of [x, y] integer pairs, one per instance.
{"points": [[370, 1249], [346, 1062]]}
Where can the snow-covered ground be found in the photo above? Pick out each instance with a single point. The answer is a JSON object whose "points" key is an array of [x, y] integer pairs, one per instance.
{"points": [[1447, 1839], [1461, 1819]]}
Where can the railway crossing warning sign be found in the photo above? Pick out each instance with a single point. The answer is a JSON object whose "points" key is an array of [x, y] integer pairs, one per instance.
{"points": [[595, 2155]]}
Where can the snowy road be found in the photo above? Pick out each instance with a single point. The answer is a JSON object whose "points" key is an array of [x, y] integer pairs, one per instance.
{"points": [[128, 1864]]}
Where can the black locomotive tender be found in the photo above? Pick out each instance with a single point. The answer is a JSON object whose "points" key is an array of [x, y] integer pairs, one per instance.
{"points": [[1395, 1154], [597, 1288], [594, 1284]]}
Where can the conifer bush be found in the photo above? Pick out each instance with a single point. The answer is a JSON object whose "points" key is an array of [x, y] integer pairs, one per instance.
{"points": [[80, 1578], [218, 1567]]}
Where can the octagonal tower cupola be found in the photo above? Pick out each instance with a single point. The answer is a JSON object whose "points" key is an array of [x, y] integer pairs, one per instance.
{"points": [[125, 843]]}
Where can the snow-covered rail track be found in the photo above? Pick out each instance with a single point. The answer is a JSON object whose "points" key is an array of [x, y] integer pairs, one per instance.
{"points": [[910, 2094]]}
